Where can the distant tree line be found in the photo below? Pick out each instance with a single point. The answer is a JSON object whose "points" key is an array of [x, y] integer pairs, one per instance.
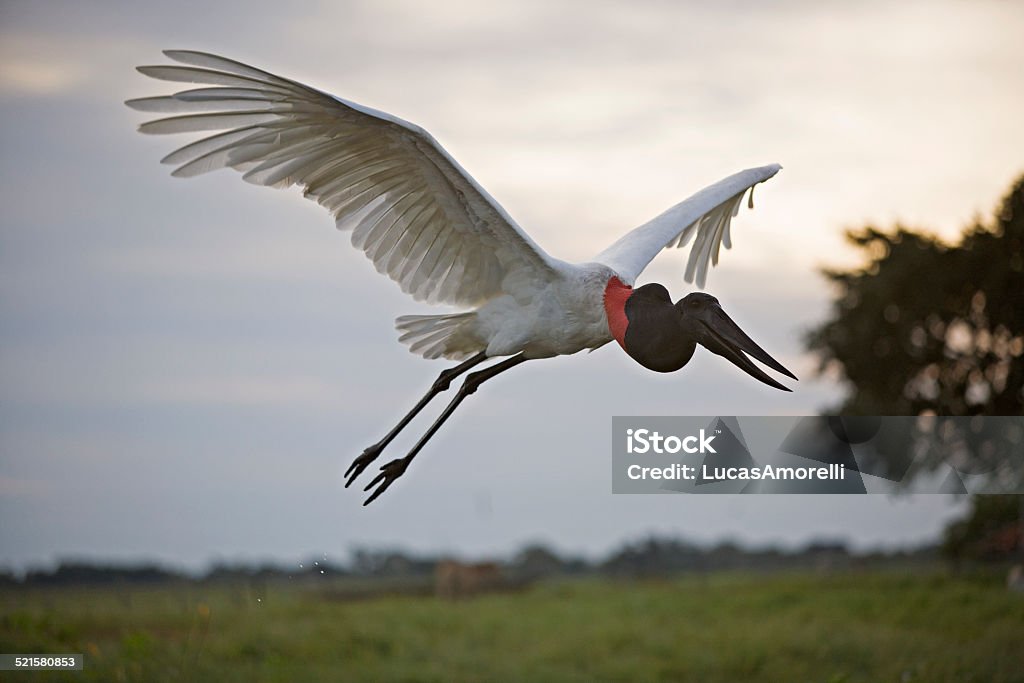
{"points": [[651, 557]]}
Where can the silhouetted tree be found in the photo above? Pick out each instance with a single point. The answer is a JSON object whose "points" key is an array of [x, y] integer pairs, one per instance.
{"points": [[74, 572], [654, 557], [928, 327], [390, 563], [537, 561]]}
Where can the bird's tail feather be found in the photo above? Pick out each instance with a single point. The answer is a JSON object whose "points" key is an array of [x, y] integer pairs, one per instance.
{"points": [[440, 336]]}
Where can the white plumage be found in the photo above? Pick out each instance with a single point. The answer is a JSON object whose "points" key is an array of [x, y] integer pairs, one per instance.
{"points": [[425, 223], [705, 218]]}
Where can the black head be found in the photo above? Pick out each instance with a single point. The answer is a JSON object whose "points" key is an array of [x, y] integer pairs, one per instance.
{"points": [[654, 335], [662, 336]]}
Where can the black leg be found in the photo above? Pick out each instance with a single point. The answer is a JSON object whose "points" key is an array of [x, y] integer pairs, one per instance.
{"points": [[442, 382], [396, 468]]}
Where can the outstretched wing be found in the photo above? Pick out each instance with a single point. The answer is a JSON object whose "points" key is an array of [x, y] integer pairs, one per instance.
{"points": [[704, 217], [416, 213]]}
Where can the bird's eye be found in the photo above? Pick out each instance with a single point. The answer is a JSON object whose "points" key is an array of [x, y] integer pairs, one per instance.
{"points": [[694, 304]]}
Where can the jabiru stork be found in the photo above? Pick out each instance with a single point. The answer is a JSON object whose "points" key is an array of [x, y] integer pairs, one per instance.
{"points": [[424, 222]]}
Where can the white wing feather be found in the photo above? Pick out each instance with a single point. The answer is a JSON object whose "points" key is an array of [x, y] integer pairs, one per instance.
{"points": [[705, 217], [411, 208]]}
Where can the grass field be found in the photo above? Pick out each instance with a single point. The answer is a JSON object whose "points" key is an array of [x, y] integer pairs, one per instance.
{"points": [[845, 627]]}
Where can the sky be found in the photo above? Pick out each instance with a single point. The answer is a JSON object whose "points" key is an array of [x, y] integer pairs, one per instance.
{"points": [[187, 367]]}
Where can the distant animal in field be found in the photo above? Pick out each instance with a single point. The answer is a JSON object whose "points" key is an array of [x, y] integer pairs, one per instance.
{"points": [[454, 580]]}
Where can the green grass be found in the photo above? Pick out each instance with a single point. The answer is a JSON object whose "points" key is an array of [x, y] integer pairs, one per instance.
{"points": [[807, 627]]}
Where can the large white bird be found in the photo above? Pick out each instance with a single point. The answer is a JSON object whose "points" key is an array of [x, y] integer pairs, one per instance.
{"points": [[425, 223]]}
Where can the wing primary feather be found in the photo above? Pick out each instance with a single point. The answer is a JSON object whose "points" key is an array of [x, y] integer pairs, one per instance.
{"points": [[420, 278], [214, 62], [170, 104], [400, 254], [369, 191], [399, 229], [419, 250], [375, 224], [277, 172], [191, 123], [231, 149], [215, 93], [447, 284], [371, 169], [687, 234], [213, 143], [432, 282], [388, 229], [189, 74], [361, 221]]}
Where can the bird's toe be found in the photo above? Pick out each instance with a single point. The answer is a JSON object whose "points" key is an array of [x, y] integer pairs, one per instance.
{"points": [[387, 476], [361, 462]]}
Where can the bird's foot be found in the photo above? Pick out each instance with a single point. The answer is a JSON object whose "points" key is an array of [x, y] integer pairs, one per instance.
{"points": [[388, 474], [362, 462]]}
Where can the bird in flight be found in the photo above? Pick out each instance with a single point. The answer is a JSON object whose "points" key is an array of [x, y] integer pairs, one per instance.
{"points": [[425, 223]]}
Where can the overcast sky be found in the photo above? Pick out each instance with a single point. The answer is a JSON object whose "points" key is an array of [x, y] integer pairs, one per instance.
{"points": [[187, 367]]}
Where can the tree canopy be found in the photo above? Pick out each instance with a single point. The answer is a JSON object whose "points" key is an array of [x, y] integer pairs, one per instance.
{"points": [[927, 327]]}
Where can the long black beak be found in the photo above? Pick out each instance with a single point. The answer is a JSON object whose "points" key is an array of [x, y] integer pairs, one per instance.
{"points": [[725, 338]]}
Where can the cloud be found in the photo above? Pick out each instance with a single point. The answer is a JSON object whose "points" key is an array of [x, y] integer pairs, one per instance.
{"points": [[36, 79]]}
